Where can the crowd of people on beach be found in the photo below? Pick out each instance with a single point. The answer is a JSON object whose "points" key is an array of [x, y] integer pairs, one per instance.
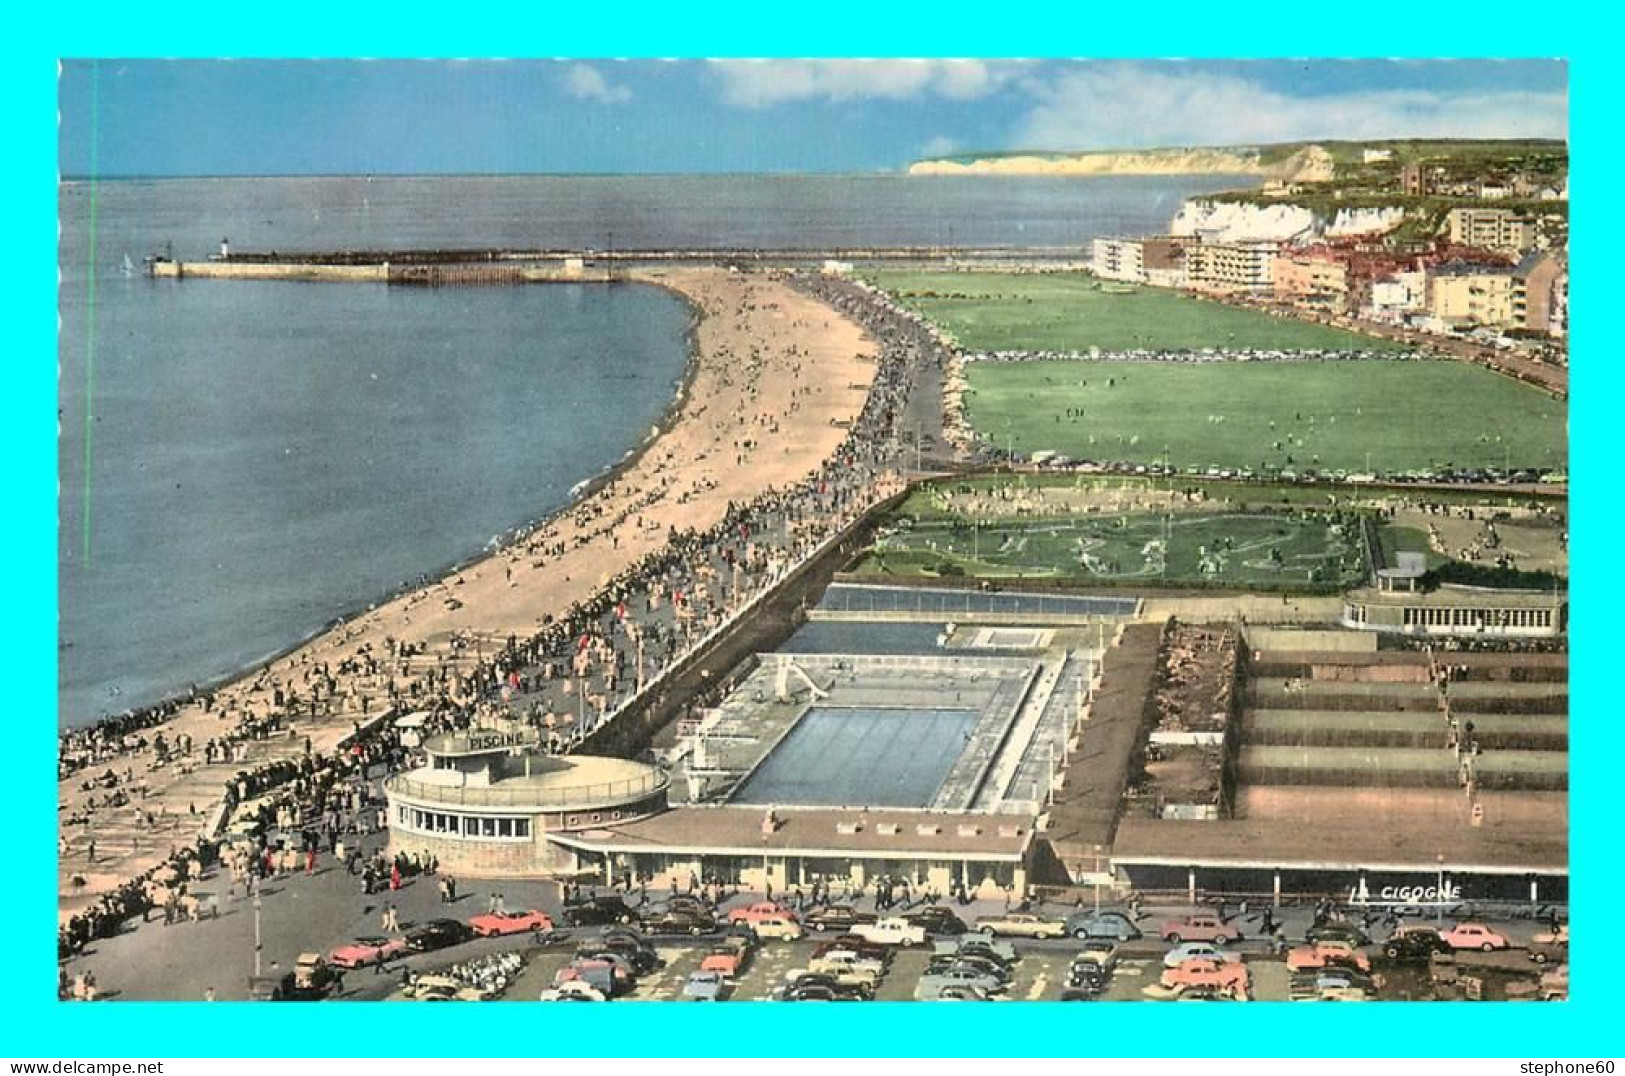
{"points": [[571, 676]]}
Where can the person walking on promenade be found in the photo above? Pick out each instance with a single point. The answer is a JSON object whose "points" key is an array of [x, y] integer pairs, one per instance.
{"points": [[395, 876]]}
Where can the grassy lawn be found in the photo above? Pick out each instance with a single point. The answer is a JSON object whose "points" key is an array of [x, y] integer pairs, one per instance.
{"points": [[1230, 550], [1074, 312], [1359, 416]]}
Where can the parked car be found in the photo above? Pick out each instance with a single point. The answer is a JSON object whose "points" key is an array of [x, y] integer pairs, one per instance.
{"points": [[364, 952], [846, 991], [1099, 952], [1558, 935], [598, 911], [894, 931], [1473, 936], [1231, 975], [497, 924], [1200, 926], [979, 963], [979, 943], [1336, 931], [931, 985], [846, 973], [311, 979], [835, 917], [573, 990], [858, 944], [1203, 992], [639, 952], [437, 934], [729, 957], [1550, 946], [776, 927], [1113, 925], [811, 992], [1022, 925], [1323, 954], [705, 985], [755, 913], [680, 921], [1554, 984], [608, 978], [1087, 977], [937, 920], [839, 961], [1414, 945], [961, 993], [1196, 951]]}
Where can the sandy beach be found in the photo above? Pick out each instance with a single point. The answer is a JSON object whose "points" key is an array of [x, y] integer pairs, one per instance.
{"points": [[776, 375]]}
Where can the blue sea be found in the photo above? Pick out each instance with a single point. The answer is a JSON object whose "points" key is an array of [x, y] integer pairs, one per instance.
{"points": [[241, 463]]}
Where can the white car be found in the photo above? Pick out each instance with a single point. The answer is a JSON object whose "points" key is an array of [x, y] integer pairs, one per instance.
{"points": [[1196, 951], [891, 932], [573, 990]]}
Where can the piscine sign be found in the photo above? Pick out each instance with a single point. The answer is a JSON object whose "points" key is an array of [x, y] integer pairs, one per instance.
{"points": [[479, 741], [1446, 893]]}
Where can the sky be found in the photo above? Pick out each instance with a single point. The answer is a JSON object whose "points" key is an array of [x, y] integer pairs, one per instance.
{"points": [[302, 117]]}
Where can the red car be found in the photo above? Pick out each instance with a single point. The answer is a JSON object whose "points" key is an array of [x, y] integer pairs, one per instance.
{"points": [[1309, 957], [367, 951], [498, 923], [1230, 975], [766, 909]]}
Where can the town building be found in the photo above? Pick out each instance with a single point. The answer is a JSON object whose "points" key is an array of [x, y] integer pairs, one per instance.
{"points": [[1449, 610], [1461, 293], [1396, 296], [486, 802], [1491, 229], [1231, 267], [1314, 276], [1118, 258], [1534, 281], [1414, 180], [1152, 259]]}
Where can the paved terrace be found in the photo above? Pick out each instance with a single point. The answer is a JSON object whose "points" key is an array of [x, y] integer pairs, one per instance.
{"points": [[1413, 728]]}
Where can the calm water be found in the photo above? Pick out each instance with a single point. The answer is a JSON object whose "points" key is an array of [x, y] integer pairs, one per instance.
{"points": [[243, 462]]}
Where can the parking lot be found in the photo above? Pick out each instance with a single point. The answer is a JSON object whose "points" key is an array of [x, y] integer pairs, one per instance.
{"points": [[1039, 973]]}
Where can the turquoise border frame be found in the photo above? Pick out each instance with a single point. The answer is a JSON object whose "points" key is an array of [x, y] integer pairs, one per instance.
{"points": [[47, 1029]]}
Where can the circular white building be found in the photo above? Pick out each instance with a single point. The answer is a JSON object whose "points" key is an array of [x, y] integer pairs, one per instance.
{"points": [[485, 802]]}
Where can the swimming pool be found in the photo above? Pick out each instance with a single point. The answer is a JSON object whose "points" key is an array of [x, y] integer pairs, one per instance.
{"points": [[861, 757]]}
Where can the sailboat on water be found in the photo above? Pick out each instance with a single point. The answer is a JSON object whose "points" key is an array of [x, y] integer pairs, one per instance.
{"points": [[128, 268]]}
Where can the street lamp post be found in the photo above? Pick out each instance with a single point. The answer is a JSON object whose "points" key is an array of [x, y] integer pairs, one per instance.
{"points": [[257, 945], [1438, 908], [1097, 879]]}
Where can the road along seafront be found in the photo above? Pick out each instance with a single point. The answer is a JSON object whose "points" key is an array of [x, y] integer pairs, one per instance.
{"points": [[776, 379]]}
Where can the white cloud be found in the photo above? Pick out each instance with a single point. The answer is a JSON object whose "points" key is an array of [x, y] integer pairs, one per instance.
{"points": [[938, 146], [584, 80], [1131, 105], [764, 83]]}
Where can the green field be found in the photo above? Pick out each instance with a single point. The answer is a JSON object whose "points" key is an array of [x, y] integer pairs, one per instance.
{"points": [[1257, 551], [1357, 416], [1074, 312]]}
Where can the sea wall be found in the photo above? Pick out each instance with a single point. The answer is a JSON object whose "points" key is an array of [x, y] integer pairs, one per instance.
{"points": [[272, 271]]}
